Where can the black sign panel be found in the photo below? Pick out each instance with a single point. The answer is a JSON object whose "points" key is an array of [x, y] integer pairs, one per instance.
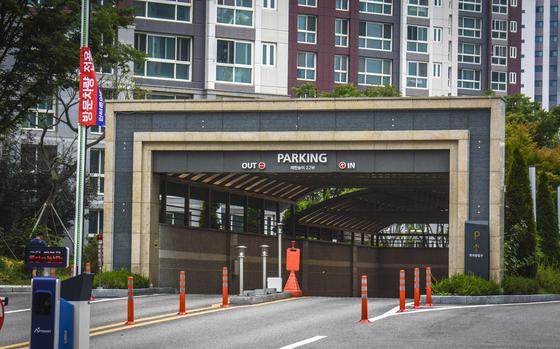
{"points": [[46, 257], [477, 249]]}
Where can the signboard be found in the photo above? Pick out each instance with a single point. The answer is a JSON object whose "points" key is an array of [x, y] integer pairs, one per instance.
{"points": [[477, 249], [46, 257], [88, 93]]}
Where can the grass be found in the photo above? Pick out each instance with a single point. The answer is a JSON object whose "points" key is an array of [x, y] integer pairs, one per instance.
{"points": [[119, 279], [466, 285]]}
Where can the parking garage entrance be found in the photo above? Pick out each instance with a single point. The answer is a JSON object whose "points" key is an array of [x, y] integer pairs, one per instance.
{"points": [[402, 188]]}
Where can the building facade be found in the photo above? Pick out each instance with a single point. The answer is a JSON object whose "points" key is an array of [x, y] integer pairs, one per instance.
{"points": [[539, 58]]}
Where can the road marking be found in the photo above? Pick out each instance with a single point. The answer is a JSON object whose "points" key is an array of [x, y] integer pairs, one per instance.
{"points": [[120, 326], [304, 342], [394, 311], [16, 311], [95, 301]]}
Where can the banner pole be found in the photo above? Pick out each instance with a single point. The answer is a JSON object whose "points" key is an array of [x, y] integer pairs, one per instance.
{"points": [[80, 161]]}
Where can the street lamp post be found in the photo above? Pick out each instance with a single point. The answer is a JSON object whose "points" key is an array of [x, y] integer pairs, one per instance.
{"points": [[264, 255], [241, 258]]}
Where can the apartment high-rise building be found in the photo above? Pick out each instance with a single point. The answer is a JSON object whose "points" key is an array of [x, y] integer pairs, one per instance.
{"points": [[539, 52]]}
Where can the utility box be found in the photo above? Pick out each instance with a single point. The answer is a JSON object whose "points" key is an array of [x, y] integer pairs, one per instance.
{"points": [[274, 283]]}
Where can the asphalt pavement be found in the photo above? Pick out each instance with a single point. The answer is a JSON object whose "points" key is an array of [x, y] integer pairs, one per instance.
{"points": [[319, 322]]}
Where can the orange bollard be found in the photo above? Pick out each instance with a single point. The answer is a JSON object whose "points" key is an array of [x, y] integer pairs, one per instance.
{"points": [[88, 268], [428, 286], [182, 301], [130, 320], [364, 300], [402, 293], [225, 292], [416, 288]]}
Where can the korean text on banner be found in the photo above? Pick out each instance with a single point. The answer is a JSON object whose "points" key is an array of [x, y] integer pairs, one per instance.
{"points": [[88, 89], [100, 108]]}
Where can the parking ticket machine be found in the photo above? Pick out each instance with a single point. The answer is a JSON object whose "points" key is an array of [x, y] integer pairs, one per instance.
{"points": [[45, 312], [60, 312]]}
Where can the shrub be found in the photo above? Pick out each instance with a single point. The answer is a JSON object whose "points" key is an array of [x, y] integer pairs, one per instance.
{"points": [[548, 278], [520, 285], [12, 272], [119, 279], [466, 285]]}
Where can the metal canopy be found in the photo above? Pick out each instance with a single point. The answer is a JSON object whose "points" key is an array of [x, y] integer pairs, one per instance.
{"points": [[384, 198]]}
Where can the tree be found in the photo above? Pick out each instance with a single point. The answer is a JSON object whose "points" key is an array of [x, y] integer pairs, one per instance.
{"points": [[547, 222], [39, 50], [519, 213], [308, 90]]}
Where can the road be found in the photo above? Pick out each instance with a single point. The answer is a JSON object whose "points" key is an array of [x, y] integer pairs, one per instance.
{"points": [[320, 322]]}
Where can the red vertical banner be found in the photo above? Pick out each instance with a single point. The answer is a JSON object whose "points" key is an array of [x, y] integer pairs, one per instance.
{"points": [[88, 89]]}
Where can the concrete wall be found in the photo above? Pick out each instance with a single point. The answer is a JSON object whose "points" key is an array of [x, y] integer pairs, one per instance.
{"points": [[328, 269]]}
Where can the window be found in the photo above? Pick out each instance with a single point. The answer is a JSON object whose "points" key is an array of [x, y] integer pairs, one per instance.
{"points": [[554, 53], [554, 24], [499, 81], [95, 222], [499, 55], [436, 70], [168, 57], [513, 3], [512, 52], [42, 117], [538, 68], [499, 29], [500, 6], [340, 69], [438, 3], [438, 33], [382, 7], [170, 10], [96, 129], [417, 75], [375, 36], [554, 8], [374, 71], [310, 3], [539, 39], [554, 38], [234, 61], [552, 83], [105, 68], [97, 168], [552, 100], [269, 54], [418, 8], [512, 78], [513, 26], [306, 66], [469, 53], [470, 5], [341, 32], [540, 9], [342, 5], [538, 53], [539, 24], [235, 12], [470, 27], [538, 83], [553, 68], [35, 159], [417, 39], [269, 4], [307, 29], [468, 79]]}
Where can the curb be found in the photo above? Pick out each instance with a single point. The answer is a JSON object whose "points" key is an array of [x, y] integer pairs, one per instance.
{"points": [[245, 300], [497, 299], [119, 293], [15, 288]]}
